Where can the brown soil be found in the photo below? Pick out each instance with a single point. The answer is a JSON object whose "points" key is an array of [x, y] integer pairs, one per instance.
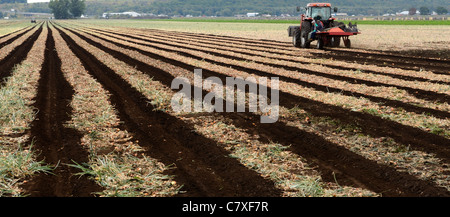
{"points": [[371, 125], [350, 168], [423, 94], [383, 59], [201, 165], [57, 144], [18, 54]]}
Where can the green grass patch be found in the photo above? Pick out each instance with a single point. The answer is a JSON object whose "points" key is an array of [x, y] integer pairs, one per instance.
{"points": [[128, 176], [11, 27], [15, 166]]}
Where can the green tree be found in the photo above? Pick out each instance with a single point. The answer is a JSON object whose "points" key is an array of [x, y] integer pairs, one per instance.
{"points": [[77, 7], [65, 9], [424, 11], [60, 8], [441, 10]]}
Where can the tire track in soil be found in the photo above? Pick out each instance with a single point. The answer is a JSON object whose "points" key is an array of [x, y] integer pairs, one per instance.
{"points": [[419, 93], [57, 144], [17, 55], [350, 168], [200, 164], [263, 54]]}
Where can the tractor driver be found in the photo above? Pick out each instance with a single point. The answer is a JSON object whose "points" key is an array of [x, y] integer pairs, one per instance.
{"points": [[317, 24]]}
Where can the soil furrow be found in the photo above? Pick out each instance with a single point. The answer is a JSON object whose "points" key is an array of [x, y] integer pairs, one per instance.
{"points": [[286, 45], [57, 144], [371, 125], [257, 42], [16, 36], [422, 61], [204, 168], [265, 54], [387, 55], [339, 164], [422, 94], [387, 102], [320, 151], [386, 60], [225, 46], [380, 59], [17, 55]]}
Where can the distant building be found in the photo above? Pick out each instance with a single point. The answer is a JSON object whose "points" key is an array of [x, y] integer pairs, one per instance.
{"points": [[341, 14], [406, 13], [403, 13], [129, 13], [252, 14]]}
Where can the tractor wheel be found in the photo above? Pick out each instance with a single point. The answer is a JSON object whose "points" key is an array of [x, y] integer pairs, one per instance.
{"points": [[296, 39], [320, 43], [347, 43], [306, 28], [335, 41]]}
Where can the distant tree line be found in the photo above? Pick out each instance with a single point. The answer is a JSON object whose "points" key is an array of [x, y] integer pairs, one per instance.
{"points": [[426, 11]]}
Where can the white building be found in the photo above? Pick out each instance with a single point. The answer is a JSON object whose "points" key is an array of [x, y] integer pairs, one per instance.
{"points": [[252, 14], [405, 13], [129, 13]]}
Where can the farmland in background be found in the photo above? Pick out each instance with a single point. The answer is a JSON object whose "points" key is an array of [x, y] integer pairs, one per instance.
{"points": [[86, 105]]}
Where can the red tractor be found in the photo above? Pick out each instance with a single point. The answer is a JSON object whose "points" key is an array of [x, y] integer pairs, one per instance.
{"points": [[318, 24]]}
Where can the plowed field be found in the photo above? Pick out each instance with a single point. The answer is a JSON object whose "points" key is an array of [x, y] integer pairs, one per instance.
{"points": [[93, 104]]}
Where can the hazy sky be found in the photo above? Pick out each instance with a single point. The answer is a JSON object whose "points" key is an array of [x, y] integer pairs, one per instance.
{"points": [[33, 1]]}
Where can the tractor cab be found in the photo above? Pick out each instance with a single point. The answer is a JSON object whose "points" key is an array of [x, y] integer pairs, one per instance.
{"points": [[319, 11]]}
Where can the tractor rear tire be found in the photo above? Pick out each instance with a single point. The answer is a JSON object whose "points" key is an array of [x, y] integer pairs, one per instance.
{"points": [[320, 43], [296, 38], [305, 30]]}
